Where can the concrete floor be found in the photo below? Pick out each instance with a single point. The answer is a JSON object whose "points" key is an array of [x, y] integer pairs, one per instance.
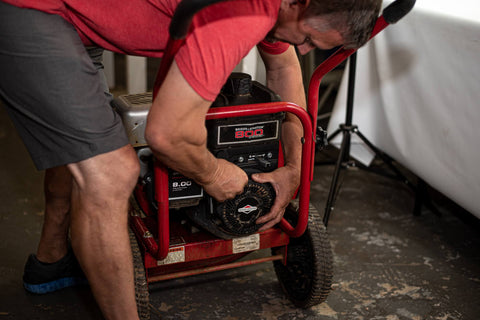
{"points": [[389, 264]]}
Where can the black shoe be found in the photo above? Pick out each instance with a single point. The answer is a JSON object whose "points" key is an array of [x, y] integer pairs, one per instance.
{"points": [[40, 277]]}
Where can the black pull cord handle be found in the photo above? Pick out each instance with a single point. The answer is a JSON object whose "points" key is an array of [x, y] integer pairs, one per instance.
{"points": [[397, 10], [183, 16]]}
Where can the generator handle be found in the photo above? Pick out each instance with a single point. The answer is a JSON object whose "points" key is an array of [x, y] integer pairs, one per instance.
{"points": [[183, 16], [397, 10]]}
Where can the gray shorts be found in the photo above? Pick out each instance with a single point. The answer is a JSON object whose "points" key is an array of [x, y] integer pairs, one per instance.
{"points": [[55, 89]]}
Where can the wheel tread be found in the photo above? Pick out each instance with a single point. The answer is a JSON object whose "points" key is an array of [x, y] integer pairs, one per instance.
{"points": [[141, 284], [322, 264]]}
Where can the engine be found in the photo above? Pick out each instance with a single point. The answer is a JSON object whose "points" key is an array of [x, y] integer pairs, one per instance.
{"points": [[252, 143]]}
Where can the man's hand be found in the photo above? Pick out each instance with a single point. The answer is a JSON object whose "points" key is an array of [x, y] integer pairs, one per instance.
{"points": [[228, 181], [285, 181]]}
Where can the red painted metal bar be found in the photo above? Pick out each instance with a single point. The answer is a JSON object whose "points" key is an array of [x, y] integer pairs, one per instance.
{"points": [[199, 249], [161, 172], [141, 200], [328, 65], [163, 218], [213, 269], [143, 233]]}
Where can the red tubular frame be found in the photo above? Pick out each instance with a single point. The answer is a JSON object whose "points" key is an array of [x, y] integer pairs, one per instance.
{"points": [[161, 174], [308, 119], [221, 267]]}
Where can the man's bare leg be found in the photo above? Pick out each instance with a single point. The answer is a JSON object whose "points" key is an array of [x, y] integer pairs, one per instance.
{"points": [[99, 234], [53, 243]]}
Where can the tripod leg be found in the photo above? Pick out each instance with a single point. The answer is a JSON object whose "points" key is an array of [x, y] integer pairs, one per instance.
{"points": [[333, 135], [422, 198], [345, 148], [419, 197], [333, 187], [386, 159]]}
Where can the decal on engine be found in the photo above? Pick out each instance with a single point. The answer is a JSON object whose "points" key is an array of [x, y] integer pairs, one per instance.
{"points": [[246, 133]]}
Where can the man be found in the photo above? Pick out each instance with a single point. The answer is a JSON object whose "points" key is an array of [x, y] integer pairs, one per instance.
{"points": [[56, 95]]}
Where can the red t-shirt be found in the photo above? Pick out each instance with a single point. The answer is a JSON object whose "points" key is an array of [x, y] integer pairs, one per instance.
{"points": [[222, 33]]}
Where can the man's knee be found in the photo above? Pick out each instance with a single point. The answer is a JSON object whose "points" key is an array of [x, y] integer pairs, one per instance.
{"points": [[125, 170], [113, 174], [132, 170]]}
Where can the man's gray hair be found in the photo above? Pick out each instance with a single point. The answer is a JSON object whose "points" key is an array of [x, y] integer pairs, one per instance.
{"points": [[354, 19]]}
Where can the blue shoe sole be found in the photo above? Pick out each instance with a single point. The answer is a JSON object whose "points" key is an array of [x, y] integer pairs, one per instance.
{"points": [[55, 285]]}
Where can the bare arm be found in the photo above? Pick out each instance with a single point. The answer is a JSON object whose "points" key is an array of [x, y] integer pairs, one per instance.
{"points": [[284, 76], [177, 135]]}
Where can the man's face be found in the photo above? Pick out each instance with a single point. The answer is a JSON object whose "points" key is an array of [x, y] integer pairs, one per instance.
{"points": [[304, 37]]}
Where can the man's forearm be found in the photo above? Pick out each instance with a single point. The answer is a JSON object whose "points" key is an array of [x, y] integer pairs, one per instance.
{"points": [[219, 178], [194, 160], [285, 78]]}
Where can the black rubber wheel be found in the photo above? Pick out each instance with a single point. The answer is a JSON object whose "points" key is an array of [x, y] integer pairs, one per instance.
{"points": [[306, 279], [141, 285]]}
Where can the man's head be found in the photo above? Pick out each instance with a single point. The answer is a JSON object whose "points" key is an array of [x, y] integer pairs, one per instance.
{"points": [[326, 23], [354, 19]]}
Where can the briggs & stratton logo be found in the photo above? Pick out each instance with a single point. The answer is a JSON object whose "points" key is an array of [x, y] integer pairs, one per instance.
{"points": [[247, 209]]}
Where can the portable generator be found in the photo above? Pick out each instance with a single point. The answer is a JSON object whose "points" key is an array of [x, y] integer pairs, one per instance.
{"points": [[177, 230], [201, 235]]}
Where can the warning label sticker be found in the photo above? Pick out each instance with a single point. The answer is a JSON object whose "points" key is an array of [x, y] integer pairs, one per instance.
{"points": [[175, 255], [244, 244]]}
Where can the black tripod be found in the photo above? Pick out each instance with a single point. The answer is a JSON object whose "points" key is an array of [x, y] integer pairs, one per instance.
{"points": [[347, 129]]}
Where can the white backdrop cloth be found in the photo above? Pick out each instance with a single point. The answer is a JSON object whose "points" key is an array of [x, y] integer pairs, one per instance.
{"points": [[417, 97]]}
